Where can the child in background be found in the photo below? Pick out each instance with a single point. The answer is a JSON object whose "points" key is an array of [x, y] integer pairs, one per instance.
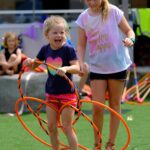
{"points": [[10, 56], [104, 27], [60, 54]]}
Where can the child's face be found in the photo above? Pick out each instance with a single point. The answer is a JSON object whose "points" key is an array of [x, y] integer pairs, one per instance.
{"points": [[57, 36], [93, 4], [11, 43]]}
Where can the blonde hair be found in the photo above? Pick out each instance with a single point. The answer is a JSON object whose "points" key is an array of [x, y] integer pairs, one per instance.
{"points": [[53, 20], [12, 35], [105, 9]]}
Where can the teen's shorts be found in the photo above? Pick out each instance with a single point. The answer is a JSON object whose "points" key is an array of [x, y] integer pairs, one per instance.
{"points": [[119, 75]]}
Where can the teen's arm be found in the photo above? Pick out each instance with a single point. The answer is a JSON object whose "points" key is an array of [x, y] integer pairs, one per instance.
{"points": [[127, 30]]}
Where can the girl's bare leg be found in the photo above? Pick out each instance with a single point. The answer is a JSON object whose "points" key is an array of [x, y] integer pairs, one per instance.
{"points": [[9, 72], [67, 118], [12, 59], [52, 126]]}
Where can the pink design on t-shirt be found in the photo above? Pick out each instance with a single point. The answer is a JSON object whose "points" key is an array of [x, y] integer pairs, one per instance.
{"points": [[57, 62]]}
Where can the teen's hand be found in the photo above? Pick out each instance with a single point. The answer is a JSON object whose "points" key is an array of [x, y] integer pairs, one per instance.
{"points": [[82, 70], [128, 42]]}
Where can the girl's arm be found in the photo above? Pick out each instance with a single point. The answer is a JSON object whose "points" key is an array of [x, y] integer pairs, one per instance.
{"points": [[81, 47], [127, 30], [81, 44], [31, 63], [73, 68]]}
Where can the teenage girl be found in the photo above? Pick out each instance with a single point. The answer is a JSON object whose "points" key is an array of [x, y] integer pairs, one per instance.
{"points": [[104, 27]]}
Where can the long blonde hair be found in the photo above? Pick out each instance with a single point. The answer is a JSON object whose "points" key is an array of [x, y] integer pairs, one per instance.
{"points": [[105, 9]]}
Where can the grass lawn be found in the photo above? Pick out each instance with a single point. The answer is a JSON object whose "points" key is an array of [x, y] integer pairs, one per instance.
{"points": [[15, 137]]}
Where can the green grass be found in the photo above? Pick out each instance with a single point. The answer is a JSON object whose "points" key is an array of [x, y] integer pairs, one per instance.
{"points": [[15, 137]]}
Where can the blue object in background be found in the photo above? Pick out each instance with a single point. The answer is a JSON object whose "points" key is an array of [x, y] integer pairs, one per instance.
{"points": [[70, 43], [0, 48]]}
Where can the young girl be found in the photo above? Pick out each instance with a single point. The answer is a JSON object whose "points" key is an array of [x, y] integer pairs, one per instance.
{"points": [[10, 56], [108, 34], [63, 56]]}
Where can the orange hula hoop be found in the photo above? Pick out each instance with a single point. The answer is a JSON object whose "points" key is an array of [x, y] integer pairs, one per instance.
{"points": [[55, 68], [111, 110], [34, 135], [24, 99]]}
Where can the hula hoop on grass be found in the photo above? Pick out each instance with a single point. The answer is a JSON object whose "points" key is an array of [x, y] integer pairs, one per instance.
{"points": [[22, 122], [111, 110], [84, 115], [33, 134]]}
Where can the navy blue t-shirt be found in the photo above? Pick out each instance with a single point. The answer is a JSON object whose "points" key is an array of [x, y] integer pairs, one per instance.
{"points": [[56, 84]]}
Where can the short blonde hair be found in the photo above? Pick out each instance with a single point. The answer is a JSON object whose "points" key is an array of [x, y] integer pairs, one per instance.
{"points": [[53, 20], [12, 35]]}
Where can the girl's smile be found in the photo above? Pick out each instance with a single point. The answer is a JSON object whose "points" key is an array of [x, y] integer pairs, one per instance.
{"points": [[57, 36]]}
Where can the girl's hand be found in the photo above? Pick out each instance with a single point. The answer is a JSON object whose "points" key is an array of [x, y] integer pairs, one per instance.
{"points": [[61, 71], [128, 42], [28, 62]]}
